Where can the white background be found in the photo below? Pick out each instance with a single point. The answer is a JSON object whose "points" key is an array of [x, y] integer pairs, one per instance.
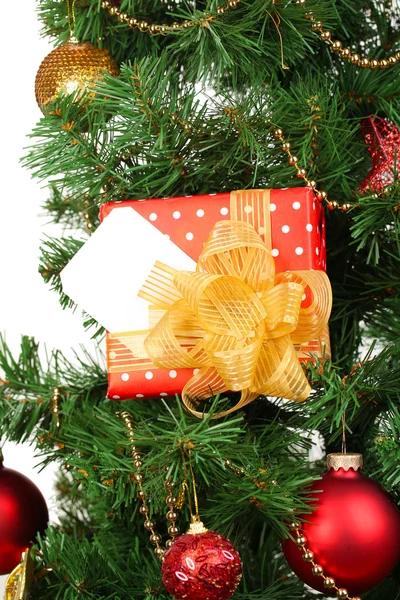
{"points": [[27, 306]]}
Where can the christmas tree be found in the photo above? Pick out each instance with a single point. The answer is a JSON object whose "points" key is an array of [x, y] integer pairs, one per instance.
{"points": [[281, 111]]}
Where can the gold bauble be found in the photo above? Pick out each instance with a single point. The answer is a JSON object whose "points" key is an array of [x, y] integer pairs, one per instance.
{"points": [[71, 67]]}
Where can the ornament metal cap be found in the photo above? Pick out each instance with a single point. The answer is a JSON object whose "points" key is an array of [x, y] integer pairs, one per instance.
{"points": [[196, 527], [344, 461]]}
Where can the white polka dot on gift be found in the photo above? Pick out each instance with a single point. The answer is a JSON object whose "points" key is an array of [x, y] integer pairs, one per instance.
{"points": [[176, 214], [125, 376], [189, 236], [224, 210], [139, 396], [296, 205], [173, 374], [149, 375], [116, 397], [272, 207], [275, 252], [299, 250], [153, 216], [200, 212], [285, 228], [309, 227]]}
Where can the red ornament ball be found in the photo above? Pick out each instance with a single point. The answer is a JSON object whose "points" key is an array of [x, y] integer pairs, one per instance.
{"points": [[201, 566], [354, 533], [23, 513]]}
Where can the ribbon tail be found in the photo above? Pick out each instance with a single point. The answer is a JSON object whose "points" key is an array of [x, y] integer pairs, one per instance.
{"points": [[207, 383]]}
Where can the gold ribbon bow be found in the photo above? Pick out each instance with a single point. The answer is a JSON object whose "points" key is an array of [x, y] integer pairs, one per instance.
{"points": [[235, 319]]}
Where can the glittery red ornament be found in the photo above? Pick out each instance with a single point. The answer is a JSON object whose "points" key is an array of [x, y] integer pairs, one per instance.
{"points": [[23, 513], [201, 566], [383, 140], [354, 532]]}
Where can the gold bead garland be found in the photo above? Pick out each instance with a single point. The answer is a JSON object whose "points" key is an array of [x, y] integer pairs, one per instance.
{"points": [[55, 406], [170, 500], [317, 570], [156, 29], [321, 195], [316, 25], [173, 503], [336, 46]]}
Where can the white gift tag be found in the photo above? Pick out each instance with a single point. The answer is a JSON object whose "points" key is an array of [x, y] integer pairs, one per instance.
{"points": [[106, 274]]}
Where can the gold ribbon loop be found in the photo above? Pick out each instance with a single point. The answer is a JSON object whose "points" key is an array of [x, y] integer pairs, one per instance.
{"points": [[236, 249], [223, 304], [235, 320], [282, 307], [175, 338]]}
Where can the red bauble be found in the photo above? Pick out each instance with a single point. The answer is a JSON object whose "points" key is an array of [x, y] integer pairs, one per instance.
{"points": [[202, 566], [383, 140], [23, 513], [354, 532]]}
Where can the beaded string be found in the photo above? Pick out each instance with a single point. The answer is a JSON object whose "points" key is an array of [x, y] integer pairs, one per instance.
{"points": [[170, 500], [321, 195], [156, 29], [55, 405], [317, 570], [316, 25], [345, 53]]}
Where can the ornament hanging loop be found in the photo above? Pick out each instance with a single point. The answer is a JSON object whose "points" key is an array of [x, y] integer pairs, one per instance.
{"points": [[275, 18], [195, 518], [71, 21], [344, 449]]}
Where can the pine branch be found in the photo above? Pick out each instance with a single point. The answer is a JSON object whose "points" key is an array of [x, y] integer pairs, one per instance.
{"points": [[55, 255], [241, 44], [72, 212], [27, 389], [161, 140]]}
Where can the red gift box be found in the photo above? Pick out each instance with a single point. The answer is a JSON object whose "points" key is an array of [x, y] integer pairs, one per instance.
{"points": [[296, 229]]}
